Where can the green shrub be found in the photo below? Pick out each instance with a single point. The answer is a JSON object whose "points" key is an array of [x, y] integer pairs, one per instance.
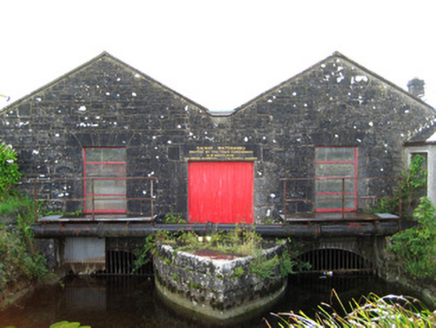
{"points": [[413, 183], [9, 174], [263, 267], [19, 258], [416, 247]]}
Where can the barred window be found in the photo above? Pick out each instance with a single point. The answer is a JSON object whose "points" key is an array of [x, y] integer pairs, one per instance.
{"points": [[336, 178], [105, 184]]}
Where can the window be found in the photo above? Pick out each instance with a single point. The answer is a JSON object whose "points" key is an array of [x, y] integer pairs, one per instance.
{"points": [[336, 176], [105, 172], [424, 166], [424, 159]]}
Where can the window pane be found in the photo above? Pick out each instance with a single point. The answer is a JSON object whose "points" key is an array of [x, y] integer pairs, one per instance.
{"points": [[106, 203], [105, 154], [335, 170], [106, 187], [324, 202], [339, 154], [105, 171], [335, 185]]}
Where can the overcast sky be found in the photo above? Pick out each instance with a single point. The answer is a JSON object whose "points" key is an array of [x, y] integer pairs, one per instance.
{"points": [[219, 54]]}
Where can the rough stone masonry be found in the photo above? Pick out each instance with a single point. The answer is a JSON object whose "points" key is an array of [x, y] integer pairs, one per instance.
{"points": [[107, 103]]}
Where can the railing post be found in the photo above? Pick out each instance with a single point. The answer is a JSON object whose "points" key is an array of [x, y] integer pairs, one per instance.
{"points": [[35, 205], [151, 197], [284, 198], [93, 199], [400, 203], [343, 198]]}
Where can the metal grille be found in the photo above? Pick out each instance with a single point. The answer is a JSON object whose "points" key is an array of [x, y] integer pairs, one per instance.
{"points": [[122, 263], [338, 261]]}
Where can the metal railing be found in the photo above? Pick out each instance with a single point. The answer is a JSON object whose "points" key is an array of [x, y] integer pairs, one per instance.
{"points": [[137, 188], [365, 193]]}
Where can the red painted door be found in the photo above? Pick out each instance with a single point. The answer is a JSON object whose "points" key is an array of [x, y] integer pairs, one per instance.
{"points": [[221, 192]]}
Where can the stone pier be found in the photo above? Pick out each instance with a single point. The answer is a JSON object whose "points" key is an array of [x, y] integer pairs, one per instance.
{"points": [[217, 288]]}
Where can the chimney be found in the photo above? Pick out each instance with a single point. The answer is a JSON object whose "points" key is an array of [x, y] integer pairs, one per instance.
{"points": [[416, 87]]}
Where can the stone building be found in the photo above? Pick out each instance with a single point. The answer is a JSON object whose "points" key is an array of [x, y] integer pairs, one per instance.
{"points": [[105, 123]]}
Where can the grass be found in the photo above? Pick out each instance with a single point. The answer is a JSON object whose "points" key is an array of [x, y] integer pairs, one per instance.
{"points": [[371, 311], [239, 242]]}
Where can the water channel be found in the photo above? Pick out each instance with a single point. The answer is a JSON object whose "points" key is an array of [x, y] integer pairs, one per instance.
{"points": [[127, 302]]}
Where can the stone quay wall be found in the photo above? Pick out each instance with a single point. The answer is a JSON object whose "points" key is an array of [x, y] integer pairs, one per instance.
{"points": [[215, 288]]}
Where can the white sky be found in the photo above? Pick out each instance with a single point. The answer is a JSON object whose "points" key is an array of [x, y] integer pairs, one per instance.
{"points": [[219, 54]]}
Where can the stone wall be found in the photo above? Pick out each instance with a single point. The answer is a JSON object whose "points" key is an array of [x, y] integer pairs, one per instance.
{"points": [[215, 288], [106, 103]]}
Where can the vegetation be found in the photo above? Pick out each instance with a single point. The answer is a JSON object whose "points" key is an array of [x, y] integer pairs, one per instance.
{"points": [[62, 324], [238, 242], [171, 218], [20, 259], [371, 311], [413, 183], [9, 174], [263, 267], [239, 272], [416, 247], [66, 324]]}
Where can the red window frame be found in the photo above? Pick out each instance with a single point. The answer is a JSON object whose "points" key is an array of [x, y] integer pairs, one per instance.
{"points": [[85, 181], [339, 193]]}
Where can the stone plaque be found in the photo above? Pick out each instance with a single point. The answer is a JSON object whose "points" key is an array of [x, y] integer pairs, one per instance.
{"points": [[221, 153]]}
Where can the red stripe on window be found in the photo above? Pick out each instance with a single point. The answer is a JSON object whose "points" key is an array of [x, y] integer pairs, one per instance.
{"points": [[106, 163], [334, 193], [105, 195]]}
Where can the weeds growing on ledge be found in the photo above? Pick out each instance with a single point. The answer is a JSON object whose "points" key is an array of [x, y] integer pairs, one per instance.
{"points": [[371, 311], [240, 242]]}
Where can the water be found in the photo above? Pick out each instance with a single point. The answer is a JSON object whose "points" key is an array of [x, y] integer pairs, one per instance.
{"points": [[127, 302]]}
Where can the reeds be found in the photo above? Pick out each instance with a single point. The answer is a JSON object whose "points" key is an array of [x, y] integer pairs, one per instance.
{"points": [[372, 311]]}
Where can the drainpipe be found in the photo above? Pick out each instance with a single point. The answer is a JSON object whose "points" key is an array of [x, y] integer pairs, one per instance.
{"points": [[105, 230]]}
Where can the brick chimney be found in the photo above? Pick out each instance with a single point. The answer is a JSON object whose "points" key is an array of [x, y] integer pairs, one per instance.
{"points": [[416, 87]]}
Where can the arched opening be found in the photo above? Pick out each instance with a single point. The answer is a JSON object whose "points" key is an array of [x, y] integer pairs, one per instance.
{"points": [[119, 263], [330, 260]]}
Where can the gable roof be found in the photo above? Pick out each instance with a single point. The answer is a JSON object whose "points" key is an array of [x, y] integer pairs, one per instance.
{"points": [[426, 136], [337, 55], [90, 62], [227, 113]]}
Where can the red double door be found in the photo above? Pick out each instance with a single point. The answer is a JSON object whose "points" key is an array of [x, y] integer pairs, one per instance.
{"points": [[221, 192]]}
